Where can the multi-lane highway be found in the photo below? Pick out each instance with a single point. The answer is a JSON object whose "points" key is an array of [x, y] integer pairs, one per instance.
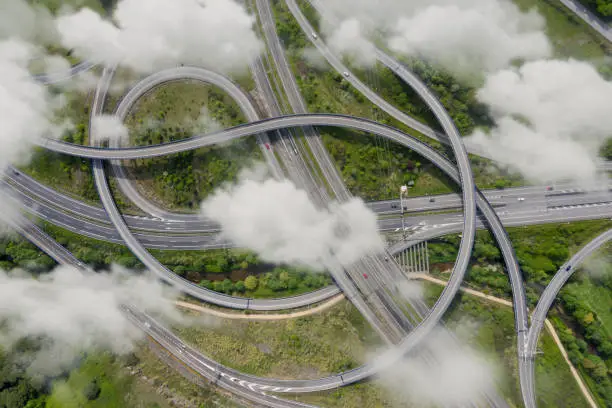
{"points": [[540, 208], [163, 234], [526, 364]]}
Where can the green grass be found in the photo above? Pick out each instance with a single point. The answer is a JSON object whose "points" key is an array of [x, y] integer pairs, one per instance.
{"points": [[309, 347], [68, 174], [493, 335], [570, 36], [117, 388], [156, 373], [555, 385], [171, 112]]}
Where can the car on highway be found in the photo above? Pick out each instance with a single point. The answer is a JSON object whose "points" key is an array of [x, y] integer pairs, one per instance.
{"points": [[315, 36], [346, 74], [521, 199], [365, 275], [568, 268], [267, 146], [549, 188], [394, 206], [432, 200]]}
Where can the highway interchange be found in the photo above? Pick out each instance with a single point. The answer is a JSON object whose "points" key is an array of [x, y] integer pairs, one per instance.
{"points": [[539, 206]]}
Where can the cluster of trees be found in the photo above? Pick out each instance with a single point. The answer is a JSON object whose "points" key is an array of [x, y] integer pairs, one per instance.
{"points": [[16, 252], [601, 7], [16, 388], [280, 279], [590, 343], [595, 362]]}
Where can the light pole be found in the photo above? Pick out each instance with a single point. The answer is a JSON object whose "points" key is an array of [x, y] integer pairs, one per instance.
{"points": [[403, 193], [403, 196]]}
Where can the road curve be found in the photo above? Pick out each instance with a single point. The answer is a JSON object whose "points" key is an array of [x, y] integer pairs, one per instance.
{"points": [[177, 74], [538, 318], [419, 334], [294, 121], [218, 375], [155, 266], [57, 77]]}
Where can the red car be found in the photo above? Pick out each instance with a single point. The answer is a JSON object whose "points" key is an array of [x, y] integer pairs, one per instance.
{"points": [[267, 146], [365, 275]]}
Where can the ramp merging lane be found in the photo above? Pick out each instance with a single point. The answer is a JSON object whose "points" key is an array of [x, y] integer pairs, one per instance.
{"points": [[255, 388]]}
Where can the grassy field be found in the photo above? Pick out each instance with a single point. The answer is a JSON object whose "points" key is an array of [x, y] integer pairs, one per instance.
{"points": [[492, 333], [70, 175], [374, 168], [570, 36], [338, 339], [139, 380], [175, 111], [308, 347]]}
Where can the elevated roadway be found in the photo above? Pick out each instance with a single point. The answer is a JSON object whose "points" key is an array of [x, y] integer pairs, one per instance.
{"points": [[65, 210], [526, 364], [151, 82], [63, 76], [158, 234], [147, 259]]}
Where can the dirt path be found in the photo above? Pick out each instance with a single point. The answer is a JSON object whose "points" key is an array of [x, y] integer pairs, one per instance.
{"points": [[333, 301], [279, 316], [549, 327]]}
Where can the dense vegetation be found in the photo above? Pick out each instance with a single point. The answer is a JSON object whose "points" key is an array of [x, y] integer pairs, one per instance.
{"points": [[585, 302], [229, 271]]}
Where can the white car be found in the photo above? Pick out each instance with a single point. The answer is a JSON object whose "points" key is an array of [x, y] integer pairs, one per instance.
{"points": [[315, 36], [346, 74], [521, 199]]}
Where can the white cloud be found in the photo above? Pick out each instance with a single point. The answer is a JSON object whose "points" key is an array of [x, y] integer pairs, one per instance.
{"points": [[26, 107], [77, 310], [552, 117], [27, 22], [441, 373], [109, 127], [154, 34], [348, 38], [281, 224], [484, 36], [462, 35]]}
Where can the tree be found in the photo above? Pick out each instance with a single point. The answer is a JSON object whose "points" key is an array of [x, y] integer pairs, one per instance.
{"points": [[240, 287], [251, 282], [92, 390]]}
